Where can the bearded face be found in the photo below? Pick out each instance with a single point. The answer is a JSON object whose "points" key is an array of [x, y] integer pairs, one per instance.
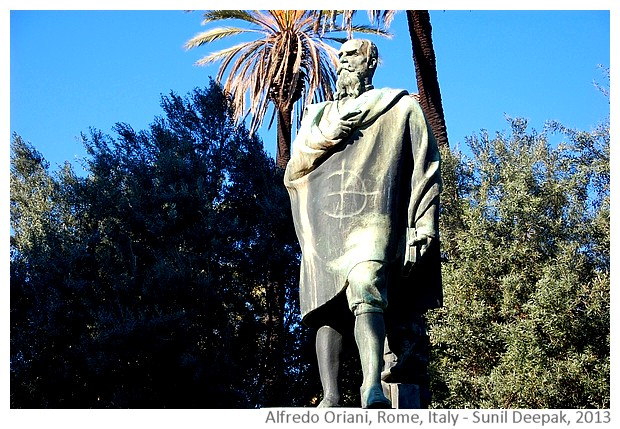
{"points": [[349, 84]]}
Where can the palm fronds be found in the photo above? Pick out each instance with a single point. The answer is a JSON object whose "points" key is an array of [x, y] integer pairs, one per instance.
{"points": [[288, 61]]}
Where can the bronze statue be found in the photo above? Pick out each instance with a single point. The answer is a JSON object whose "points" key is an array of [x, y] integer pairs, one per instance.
{"points": [[364, 185]]}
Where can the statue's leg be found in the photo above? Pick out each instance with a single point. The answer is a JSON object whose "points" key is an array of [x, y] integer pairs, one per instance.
{"points": [[369, 336], [328, 350], [366, 295], [410, 343]]}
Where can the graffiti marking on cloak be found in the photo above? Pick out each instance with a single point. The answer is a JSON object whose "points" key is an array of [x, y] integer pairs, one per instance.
{"points": [[351, 196]]}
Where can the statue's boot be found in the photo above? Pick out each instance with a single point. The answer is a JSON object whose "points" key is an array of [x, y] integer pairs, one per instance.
{"points": [[328, 402], [373, 397], [370, 336]]}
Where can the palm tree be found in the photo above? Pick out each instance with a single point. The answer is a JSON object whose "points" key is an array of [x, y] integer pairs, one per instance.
{"points": [[420, 30], [289, 62]]}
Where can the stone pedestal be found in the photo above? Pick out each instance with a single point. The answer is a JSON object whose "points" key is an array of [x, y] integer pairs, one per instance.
{"points": [[405, 396]]}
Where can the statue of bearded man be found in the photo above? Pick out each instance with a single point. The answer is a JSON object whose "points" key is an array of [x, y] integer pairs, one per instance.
{"points": [[364, 184]]}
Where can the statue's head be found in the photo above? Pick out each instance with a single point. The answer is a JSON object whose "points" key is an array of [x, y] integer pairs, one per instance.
{"points": [[358, 60]]}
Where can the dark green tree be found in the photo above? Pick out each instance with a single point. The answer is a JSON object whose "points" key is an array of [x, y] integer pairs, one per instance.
{"points": [[525, 229], [44, 318], [147, 282]]}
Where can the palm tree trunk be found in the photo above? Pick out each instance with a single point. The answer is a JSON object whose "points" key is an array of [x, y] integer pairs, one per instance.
{"points": [[283, 154], [420, 30]]}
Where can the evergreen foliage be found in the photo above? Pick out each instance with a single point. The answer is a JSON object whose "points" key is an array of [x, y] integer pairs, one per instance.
{"points": [[525, 229], [146, 283]]}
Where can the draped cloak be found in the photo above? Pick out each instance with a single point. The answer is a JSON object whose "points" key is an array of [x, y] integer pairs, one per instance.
{"points": [[359, 199]]}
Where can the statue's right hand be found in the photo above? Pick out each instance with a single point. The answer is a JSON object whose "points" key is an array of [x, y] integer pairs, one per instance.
{"points": [[339, 130]]}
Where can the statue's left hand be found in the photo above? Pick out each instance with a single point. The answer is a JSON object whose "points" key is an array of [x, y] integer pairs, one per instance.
{"points": [[417, 247], [423, 242]]}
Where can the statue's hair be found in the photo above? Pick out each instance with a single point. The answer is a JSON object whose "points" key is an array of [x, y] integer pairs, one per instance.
{"points": [[371, 49]]}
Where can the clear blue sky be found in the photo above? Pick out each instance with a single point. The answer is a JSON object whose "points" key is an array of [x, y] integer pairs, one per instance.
{"points": [[71, 70]]}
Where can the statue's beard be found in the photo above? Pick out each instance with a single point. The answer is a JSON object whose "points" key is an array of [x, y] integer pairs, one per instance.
{"points": [[349, 84]]}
